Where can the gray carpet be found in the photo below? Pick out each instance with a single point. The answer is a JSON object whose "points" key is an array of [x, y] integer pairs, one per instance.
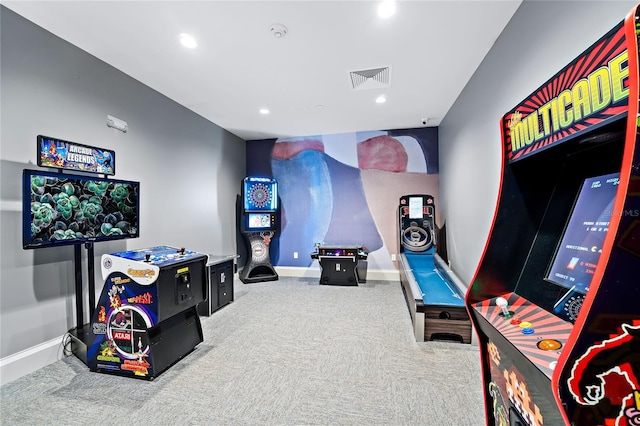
{"points": [[287, 352]]}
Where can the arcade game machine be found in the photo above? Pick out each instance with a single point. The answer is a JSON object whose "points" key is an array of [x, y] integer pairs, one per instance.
{"points": [[339, 264], [259, 219], [146, 318], [555, 299], [435, 302]]}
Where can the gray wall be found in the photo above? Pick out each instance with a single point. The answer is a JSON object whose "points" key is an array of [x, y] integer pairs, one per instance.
{"points": [[190, 171], [541, 38]]}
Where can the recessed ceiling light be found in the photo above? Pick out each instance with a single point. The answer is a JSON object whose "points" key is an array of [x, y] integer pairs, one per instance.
{"points": [[264, 111], [381, 99], [188, 41], [387, 8]]}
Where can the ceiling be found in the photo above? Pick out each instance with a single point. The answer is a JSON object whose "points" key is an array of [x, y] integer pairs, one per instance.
{"points": [[432, 49]]}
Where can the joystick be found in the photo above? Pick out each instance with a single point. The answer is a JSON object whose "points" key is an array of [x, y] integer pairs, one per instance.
{"points": [[147, 257], [181, 251], [502, 303]]}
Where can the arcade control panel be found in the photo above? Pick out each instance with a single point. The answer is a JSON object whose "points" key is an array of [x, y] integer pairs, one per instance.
{"points": [[536, 333], [178, 274], [159, 256], [355, 252]]}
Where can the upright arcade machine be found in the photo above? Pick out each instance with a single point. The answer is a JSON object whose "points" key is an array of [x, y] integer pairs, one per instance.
{"points": [[556, 296], [259, 219], [435, 302]]}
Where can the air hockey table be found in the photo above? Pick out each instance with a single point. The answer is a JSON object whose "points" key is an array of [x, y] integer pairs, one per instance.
{"points": [[435, 302]]}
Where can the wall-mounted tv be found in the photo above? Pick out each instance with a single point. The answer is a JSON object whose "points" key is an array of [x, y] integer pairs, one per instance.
{"points": [[61, 209], [577, 255]]}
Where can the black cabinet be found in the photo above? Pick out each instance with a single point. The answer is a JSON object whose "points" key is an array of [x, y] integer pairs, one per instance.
{"points": [[220, 275], [339, 264], [222, 278]]}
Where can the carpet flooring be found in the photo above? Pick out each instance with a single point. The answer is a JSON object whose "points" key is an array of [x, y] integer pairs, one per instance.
{"points": [[286, 352]]}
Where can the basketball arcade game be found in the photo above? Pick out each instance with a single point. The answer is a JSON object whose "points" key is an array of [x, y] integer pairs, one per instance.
{"points": [[555, 299], [435, 302], [259, 221]]}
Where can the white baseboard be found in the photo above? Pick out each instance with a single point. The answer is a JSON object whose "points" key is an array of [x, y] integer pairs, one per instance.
{"points": [[373, 275], [29, 360]]}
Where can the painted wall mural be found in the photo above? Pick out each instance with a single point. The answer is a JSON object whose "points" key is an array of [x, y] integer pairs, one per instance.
{"points": [[344, 188]]}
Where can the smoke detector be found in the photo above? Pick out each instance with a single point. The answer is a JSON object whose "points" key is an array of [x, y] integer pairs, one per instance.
{"points": [[278, 30]]}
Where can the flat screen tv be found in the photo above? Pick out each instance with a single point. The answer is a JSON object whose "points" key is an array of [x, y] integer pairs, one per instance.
{"points": [[577, 254], [61, 209]]}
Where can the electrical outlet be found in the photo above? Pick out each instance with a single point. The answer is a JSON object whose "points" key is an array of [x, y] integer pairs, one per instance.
{"points": [[295, 254], [393, 257]]}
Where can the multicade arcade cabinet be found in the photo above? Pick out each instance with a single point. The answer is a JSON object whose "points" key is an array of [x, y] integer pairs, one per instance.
{"points": [[556, 296], [259, 220], [435, 302], [339, 264], [145, 319]]}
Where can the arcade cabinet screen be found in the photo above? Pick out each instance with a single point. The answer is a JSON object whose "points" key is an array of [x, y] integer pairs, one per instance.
{"points": [[415, 208], [260, 194], [62, 209], [578, 253], [259, 220]]}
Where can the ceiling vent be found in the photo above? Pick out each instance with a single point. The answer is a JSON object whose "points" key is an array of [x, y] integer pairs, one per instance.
{"points": [[374, 78]]}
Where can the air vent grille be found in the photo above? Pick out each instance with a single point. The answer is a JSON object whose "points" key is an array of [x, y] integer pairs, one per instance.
{"points": [[370, 79]]}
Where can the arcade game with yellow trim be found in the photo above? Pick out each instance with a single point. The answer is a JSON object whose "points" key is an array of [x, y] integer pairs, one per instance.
{"points": [[556, 296]]}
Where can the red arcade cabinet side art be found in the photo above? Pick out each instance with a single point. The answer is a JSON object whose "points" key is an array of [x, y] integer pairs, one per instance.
{"points": [[556, 296]]}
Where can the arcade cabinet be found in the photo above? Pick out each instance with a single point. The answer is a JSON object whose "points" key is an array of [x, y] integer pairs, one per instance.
{"points": [[555, 299], [436, 304], [339, 264], [145, 319], [259, 220]]}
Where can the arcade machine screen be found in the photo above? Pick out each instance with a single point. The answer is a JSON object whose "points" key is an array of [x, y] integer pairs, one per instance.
{"points": [[258, 220], [260, 204], [260, 194], [415, 208], [579, 250]]}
